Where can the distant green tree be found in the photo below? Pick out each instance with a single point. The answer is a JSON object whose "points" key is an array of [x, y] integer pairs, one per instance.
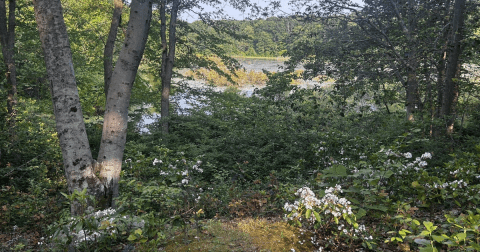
{"points": [[404, 44]]}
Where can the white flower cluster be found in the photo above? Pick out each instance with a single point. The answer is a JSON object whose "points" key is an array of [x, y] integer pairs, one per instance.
{"points": [[329, 205], [330, 202], [105, 219], [418, 164], [454, 184], [185, 173], [157, 161]]}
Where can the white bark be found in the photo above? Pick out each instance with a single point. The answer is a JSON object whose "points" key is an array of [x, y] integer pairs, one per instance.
{"points": [[116, 111], [77, 157]]}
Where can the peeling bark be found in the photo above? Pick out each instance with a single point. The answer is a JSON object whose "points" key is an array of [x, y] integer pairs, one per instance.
{"points": [[110, 44], [116, 112], [77, 158]]}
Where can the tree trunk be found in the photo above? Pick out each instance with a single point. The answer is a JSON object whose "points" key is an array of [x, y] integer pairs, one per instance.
{"points": [[110, 44], [451, 87], [7, 40], [412, 89], [77, 157], [168, 59], [116, 112]]}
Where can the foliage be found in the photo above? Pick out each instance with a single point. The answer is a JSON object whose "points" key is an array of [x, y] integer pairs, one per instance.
{"points": [[455, 233], [338, 218]]}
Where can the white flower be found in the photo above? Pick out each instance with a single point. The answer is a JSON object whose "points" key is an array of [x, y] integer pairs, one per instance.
{"points": [[288, 207], [422, 164], [407, 155], [157, 161], [185, 181], [427, 155]]}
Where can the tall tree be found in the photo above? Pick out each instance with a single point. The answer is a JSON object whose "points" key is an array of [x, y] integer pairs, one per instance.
{"points": [[451, 86], [168, 57], [7, 40], [416, 44], [80, 168]]}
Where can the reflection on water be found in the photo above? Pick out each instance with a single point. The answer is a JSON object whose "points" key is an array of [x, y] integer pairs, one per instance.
{"points": [[183, 102], [258, 65]]}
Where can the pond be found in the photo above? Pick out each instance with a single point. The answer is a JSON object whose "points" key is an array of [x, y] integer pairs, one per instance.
{"points": [[255, 64]]}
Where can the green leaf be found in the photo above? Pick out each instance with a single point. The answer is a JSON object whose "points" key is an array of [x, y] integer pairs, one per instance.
{"points": [[308, 213], [143, 240], [428, 249], [461, 236], [438, 238], [422, 241], [317, 216], [425, 233], [360, 213], [429, 226], [132, 237], [404, 232], [79, 226], [415, 184], [138, 231], [475, 246], [388, 174], [335, 171]]}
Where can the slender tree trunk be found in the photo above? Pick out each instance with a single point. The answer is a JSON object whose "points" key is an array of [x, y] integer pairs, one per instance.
{"points": [[7, 40], [116, 112], [441, 68], [451, 88], [110, 44], [168, 59], [77, 157], [412, 89]]}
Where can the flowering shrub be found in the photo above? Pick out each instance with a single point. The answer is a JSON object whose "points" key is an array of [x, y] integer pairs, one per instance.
{"points": [[338, 218], [93, 227]]}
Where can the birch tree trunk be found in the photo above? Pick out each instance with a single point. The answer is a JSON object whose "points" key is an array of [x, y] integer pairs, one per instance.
{"points": [[77, 157], [80, 168], [116, 111], [7, 41], [110, 45]]}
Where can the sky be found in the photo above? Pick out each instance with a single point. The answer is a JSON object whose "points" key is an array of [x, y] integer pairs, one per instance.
{"points": [[238, 15]]}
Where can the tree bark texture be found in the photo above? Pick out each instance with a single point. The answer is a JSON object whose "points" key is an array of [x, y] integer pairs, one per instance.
{"points": [[77, 157], [116, 112], [110, 44], [451, 86], [168, 58], [7, 40]]}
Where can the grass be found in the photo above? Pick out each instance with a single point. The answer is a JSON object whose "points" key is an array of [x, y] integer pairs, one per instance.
{"points": [[245, 234]]}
